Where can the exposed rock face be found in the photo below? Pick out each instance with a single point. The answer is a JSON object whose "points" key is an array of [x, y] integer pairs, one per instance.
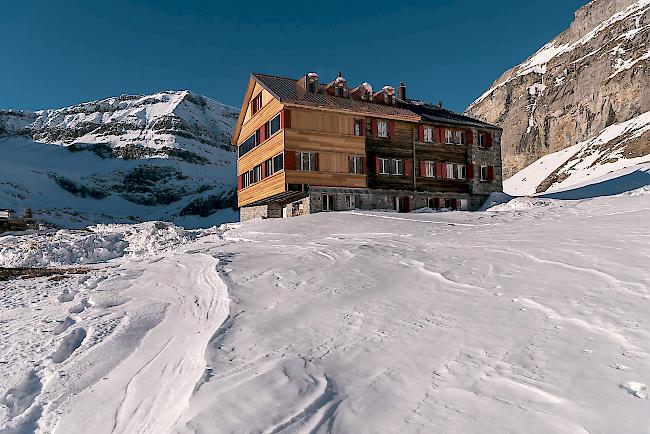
{"points": [[592, 75]]}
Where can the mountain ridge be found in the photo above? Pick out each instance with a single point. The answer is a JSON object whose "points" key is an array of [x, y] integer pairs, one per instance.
{"points": [[167, 155]]}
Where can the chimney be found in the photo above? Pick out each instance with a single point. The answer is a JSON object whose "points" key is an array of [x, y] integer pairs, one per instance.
{"points": [[440, 104], [312, 82], [401, 91]]}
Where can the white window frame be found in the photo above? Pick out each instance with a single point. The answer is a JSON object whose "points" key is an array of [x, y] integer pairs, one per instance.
{"points": [[462, 171], [350, 201], [398, 169], [357, 163], [459, 137], [428, 134], [311, 161], [382, 128], [430, 169], [384, 166], [484, 178], [481, 140], [357, 127], [325, 199], [449, 137], [450, 171]]}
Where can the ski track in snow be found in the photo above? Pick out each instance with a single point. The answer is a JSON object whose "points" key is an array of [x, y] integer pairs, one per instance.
{"points": [[528, 318]]}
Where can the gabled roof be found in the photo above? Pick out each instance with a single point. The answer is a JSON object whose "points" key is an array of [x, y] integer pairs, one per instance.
{"points": [[431, 113], [288, 91]]}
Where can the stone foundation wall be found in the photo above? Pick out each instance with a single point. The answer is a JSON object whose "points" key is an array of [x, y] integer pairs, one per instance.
{"points": [[363, 199]]}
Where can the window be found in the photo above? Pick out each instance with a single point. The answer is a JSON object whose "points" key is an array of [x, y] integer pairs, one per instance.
{"points": [[428, 134], [249, 144], [450, 171], [484, 173], [328, 202], [430, 167], [307, 161], [384, 166], [273, 126], [356, 164], [462, 171], [431, 203], [278, 162], [350, 201], [459, 137], [358, 127], [449, 137], [257, 173], [245, 179], [382, 129], [257, 103], [482, 140], [398, 167], [268, 167]]}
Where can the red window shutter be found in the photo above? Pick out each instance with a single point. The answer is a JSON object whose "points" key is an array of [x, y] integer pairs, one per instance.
{"points": [[377, 164], [436, 135], [264, 170], [316, 155], [407, 167], [262, 133], [239, 182], [436, 202], [441, 170], [490, 173], [488, 136], [285, 119], [289, 160], [470, 171], [470, 137], [363, 127], [454, 203], [423, 168], [373, 126], [420, 133], [363, 165], [391, 129]]}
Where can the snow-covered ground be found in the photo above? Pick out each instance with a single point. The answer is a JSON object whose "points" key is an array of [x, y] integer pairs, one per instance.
{"points": [[529, 317]]}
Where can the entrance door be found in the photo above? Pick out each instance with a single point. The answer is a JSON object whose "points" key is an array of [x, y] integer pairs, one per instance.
{"points": [[403, 204]]}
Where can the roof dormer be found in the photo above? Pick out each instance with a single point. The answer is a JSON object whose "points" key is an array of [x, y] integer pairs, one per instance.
{"points": [[362, 92], [337, 87], [385, 96]]}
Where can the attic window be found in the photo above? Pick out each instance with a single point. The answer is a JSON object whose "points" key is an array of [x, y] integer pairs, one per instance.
{"points": [[256, 104]]}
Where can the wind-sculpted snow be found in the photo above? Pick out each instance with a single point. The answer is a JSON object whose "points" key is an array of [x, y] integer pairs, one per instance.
{"points": [[527, 317], [98, 243]]}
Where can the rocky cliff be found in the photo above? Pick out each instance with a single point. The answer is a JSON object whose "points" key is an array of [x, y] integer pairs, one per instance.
{"points": [[593, 75]]}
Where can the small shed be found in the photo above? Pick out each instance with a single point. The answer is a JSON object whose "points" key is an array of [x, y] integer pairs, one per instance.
{"points": [[6, 214]]}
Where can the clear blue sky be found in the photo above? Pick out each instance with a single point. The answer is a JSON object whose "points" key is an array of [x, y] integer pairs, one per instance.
{"points": [[58, 53]]}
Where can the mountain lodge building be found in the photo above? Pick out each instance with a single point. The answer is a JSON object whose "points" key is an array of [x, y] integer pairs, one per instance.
{"points": [[305, 147]]}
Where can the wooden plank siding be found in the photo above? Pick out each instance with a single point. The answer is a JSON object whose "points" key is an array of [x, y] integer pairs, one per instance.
{"points": [[399, 146], [323, 142], [323, 179], [267, 112], [274, 184], [270, 148], [266, 98]]}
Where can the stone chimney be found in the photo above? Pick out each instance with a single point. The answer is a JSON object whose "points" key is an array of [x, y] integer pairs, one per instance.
{"points": [[401, 91], [312, 82]]}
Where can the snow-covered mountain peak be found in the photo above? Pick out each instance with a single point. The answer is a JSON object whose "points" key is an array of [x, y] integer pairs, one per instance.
{"points": [[160, 156]]}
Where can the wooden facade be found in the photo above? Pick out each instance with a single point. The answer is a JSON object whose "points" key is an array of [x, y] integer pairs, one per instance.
{"points": [[316, 145]]}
